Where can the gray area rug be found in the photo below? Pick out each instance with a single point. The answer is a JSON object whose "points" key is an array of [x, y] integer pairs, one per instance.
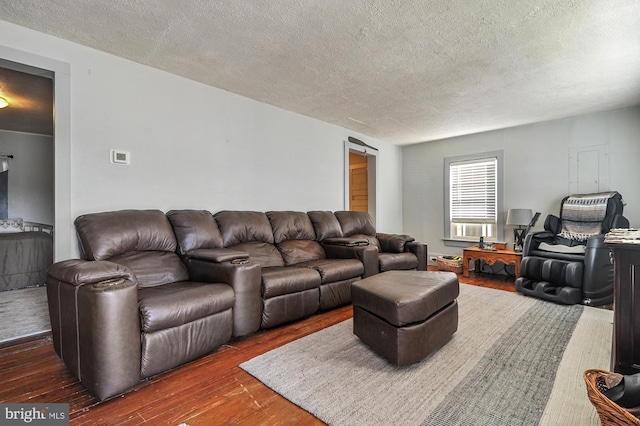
{"points": [[513, 361], [23, 313]]}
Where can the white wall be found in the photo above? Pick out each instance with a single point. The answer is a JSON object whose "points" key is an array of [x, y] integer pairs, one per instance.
{"points": [[390, 184], [192, 145], [536, 169], [30, 176]]}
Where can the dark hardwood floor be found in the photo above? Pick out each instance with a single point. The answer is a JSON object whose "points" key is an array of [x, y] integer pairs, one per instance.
{"points": [[209, 391]]}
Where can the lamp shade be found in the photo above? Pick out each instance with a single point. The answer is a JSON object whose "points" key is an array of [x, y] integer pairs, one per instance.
{"points": [[519, 217]]}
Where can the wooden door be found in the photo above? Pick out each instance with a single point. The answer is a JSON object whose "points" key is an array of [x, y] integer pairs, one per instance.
{"points": [[358, 183]]}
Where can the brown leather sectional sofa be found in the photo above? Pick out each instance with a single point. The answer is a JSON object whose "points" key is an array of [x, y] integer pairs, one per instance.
{"points": [[154, 290]]}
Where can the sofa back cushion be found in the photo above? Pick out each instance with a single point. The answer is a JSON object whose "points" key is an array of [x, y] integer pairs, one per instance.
{"points": [[287, 225], [243, 226], [325, 224], [143, 240], [108, 234], [294, 236], [195, 229], [353, 223], [249, 232]]}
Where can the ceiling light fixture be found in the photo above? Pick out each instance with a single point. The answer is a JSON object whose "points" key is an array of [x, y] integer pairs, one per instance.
{"points": [[3, 103]]}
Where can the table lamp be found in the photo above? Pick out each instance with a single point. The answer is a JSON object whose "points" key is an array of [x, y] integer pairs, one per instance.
{"points": [[519, 218]]}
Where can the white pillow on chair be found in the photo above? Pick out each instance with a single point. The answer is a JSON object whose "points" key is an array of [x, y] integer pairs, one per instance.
{"points": [[559, 248]]}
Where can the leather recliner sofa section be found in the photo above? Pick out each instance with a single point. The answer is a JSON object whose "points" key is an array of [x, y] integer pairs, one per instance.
{"points": [[395, 252], [154, 291], [130, 309], [297, 275]]}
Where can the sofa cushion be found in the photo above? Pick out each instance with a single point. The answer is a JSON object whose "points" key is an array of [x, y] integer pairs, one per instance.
{"points": [[288, 225], [296, 251], [397, 261], [277, 281], [325, 225], [153, 268], [108, 234], [356, 223], [178, 303], [264, 254], [239, 227], [332, 270], [195, 229]]}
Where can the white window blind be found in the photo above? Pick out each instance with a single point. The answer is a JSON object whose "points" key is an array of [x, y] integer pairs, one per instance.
{"points": [[474, 191]]}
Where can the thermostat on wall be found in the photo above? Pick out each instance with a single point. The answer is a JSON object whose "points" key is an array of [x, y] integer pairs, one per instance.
{"points": [[120, 157]]}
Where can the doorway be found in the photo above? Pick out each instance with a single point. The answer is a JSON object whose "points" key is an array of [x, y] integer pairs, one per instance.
{"points": [[361, 177], [24, 311], [26, 144], [358, 183], [64, 241]]}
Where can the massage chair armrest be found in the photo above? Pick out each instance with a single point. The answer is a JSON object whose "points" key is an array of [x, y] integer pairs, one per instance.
{"points": [[596, 242], [246, 280], [598, 268], [420, 250], [596, 254], [219, 255], [368, 255], [95, 323], [393, 243]]}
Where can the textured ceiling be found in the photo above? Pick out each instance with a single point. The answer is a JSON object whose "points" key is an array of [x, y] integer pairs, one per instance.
{"points": [[400, 71]]}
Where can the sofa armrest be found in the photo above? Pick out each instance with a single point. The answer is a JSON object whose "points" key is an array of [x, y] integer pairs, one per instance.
{"points": [[420, 250], [368, 255], [346, 241], [95, 323], [80, 272], [219, 255], [246, 280], [393, 243]]}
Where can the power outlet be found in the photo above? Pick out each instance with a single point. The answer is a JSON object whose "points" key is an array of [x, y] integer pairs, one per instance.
{"points": [[433, 259]]}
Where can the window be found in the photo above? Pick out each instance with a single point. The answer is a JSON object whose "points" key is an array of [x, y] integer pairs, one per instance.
{"points": [[473, 195]]}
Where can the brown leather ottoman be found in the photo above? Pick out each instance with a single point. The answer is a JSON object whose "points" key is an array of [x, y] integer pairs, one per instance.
{"points": [[405, 315]]}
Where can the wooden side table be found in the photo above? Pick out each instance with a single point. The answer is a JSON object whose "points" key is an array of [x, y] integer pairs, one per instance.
{"points": [[508, 257]]}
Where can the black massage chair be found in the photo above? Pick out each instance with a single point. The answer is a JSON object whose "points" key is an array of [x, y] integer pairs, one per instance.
{"points": [[568, 262]]}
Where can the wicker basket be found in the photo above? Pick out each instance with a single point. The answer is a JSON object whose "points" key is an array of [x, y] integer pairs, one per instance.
{"points": [[447, 263], [610, 413]]}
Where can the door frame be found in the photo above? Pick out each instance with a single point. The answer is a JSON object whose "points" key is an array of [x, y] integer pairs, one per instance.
{"points": [[372, 162], [24, 61]]}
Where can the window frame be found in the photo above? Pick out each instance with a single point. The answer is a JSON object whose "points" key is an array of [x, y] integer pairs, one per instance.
{"points": [[499, 156]]}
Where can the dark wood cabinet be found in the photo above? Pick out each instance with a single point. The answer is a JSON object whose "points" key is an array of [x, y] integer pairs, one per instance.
{"points": [[625, 356]]}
